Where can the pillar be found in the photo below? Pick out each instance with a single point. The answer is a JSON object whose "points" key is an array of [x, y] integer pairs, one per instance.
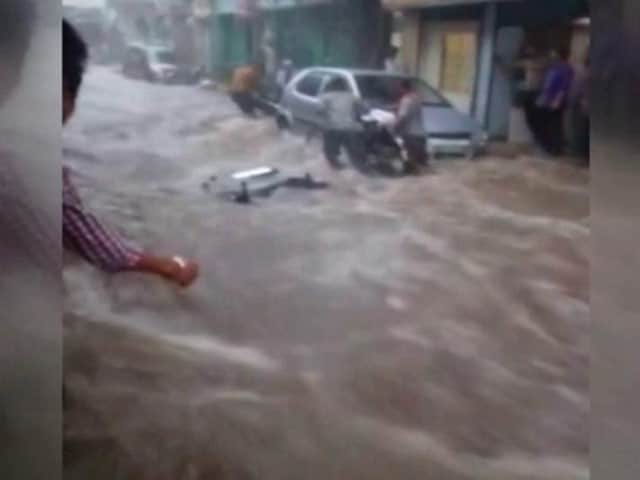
{"points": [[411, 41], [485, 63]]}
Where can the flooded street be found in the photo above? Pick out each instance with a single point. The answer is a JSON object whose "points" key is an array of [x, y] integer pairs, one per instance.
{"points": [[432, 327]]}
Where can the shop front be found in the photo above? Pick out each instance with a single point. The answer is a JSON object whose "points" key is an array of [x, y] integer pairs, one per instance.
{"points": [[541, 27], [454, 44], [450, 44]]}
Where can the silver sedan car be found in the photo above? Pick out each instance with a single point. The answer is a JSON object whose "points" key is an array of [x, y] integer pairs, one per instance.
{"points": [[448, 131]]}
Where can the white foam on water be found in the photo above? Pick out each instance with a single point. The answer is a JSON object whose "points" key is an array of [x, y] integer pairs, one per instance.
{"points": [[397, 303], [241, 355], [564, 228], [514, 466], [409, 334], [229, 395]]}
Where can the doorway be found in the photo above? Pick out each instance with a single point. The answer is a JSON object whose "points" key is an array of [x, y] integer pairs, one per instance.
{"points": [[448, 60]]}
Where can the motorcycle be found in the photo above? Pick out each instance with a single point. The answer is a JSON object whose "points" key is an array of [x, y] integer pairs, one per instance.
{"points": [[383, 151]]}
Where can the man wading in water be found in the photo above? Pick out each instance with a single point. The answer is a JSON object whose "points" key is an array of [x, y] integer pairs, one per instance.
{"points": [[410, 126], [82, 232]]}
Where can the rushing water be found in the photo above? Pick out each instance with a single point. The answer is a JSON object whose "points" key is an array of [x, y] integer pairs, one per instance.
{"points": [[430, 327]]}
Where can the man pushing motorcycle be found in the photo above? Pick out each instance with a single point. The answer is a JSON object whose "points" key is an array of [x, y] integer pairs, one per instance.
{"points": [[409, 126], [370, 134]]}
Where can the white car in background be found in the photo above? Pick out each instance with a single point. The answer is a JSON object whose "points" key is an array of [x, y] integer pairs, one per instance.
{"points": [[156, 64]]}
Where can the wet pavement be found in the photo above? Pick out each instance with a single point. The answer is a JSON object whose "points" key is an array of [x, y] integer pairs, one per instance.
{"points": [[429, 327]]}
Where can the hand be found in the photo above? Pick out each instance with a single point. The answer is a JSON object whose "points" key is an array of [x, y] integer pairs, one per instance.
{"points": [[183, 272], [175, 269]]}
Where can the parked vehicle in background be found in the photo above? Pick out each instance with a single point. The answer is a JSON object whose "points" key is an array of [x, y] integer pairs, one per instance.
{"points": [[448, 131], [157, 64]]}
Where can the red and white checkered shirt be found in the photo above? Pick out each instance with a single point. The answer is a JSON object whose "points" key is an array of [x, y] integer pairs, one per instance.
{"points": [[86, 236]]}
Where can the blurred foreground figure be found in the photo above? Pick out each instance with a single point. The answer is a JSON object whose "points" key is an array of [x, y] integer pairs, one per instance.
{"points": [[25, 233], [17, 19], [82, 232], [30, 366]]}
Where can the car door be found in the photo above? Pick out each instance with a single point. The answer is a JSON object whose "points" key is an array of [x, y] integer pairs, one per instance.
{"points": [[306, 105]]}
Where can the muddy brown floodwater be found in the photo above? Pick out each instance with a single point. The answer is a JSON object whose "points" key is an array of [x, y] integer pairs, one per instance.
{"points": [[426, 328]]}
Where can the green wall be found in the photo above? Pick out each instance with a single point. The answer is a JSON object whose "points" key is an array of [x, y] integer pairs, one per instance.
{"points": [[336, 34], [230, 43], [299, 34], [333, 34]]}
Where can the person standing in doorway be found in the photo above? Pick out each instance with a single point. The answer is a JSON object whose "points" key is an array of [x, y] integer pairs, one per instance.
{"points": [[392, 63], [533, 66], [552, 102]]}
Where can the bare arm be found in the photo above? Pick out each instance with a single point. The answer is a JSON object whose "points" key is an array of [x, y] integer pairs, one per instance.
{"points": [[85, 235]]}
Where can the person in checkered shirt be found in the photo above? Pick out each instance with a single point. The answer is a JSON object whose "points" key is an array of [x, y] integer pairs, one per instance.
{"points": [[83, 233]]}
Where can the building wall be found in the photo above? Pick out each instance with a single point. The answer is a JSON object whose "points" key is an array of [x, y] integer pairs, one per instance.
{"points": [[345, 33], [229, 43], [411, 41], [580, 41], [505, 122], [423, 49], [432, 53], [298, 35]]}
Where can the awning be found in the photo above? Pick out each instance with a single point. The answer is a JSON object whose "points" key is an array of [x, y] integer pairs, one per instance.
{"points": [[406, 4]]}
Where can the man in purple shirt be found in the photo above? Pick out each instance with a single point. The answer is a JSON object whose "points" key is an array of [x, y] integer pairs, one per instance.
{"points": [[83, 233], [552, 102]]}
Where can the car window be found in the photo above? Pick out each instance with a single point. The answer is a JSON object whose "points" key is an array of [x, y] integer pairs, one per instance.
{"points": [[165, 56], [135, 55], [329, 78], [430, 95], [379, 90], [310, 84]]}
